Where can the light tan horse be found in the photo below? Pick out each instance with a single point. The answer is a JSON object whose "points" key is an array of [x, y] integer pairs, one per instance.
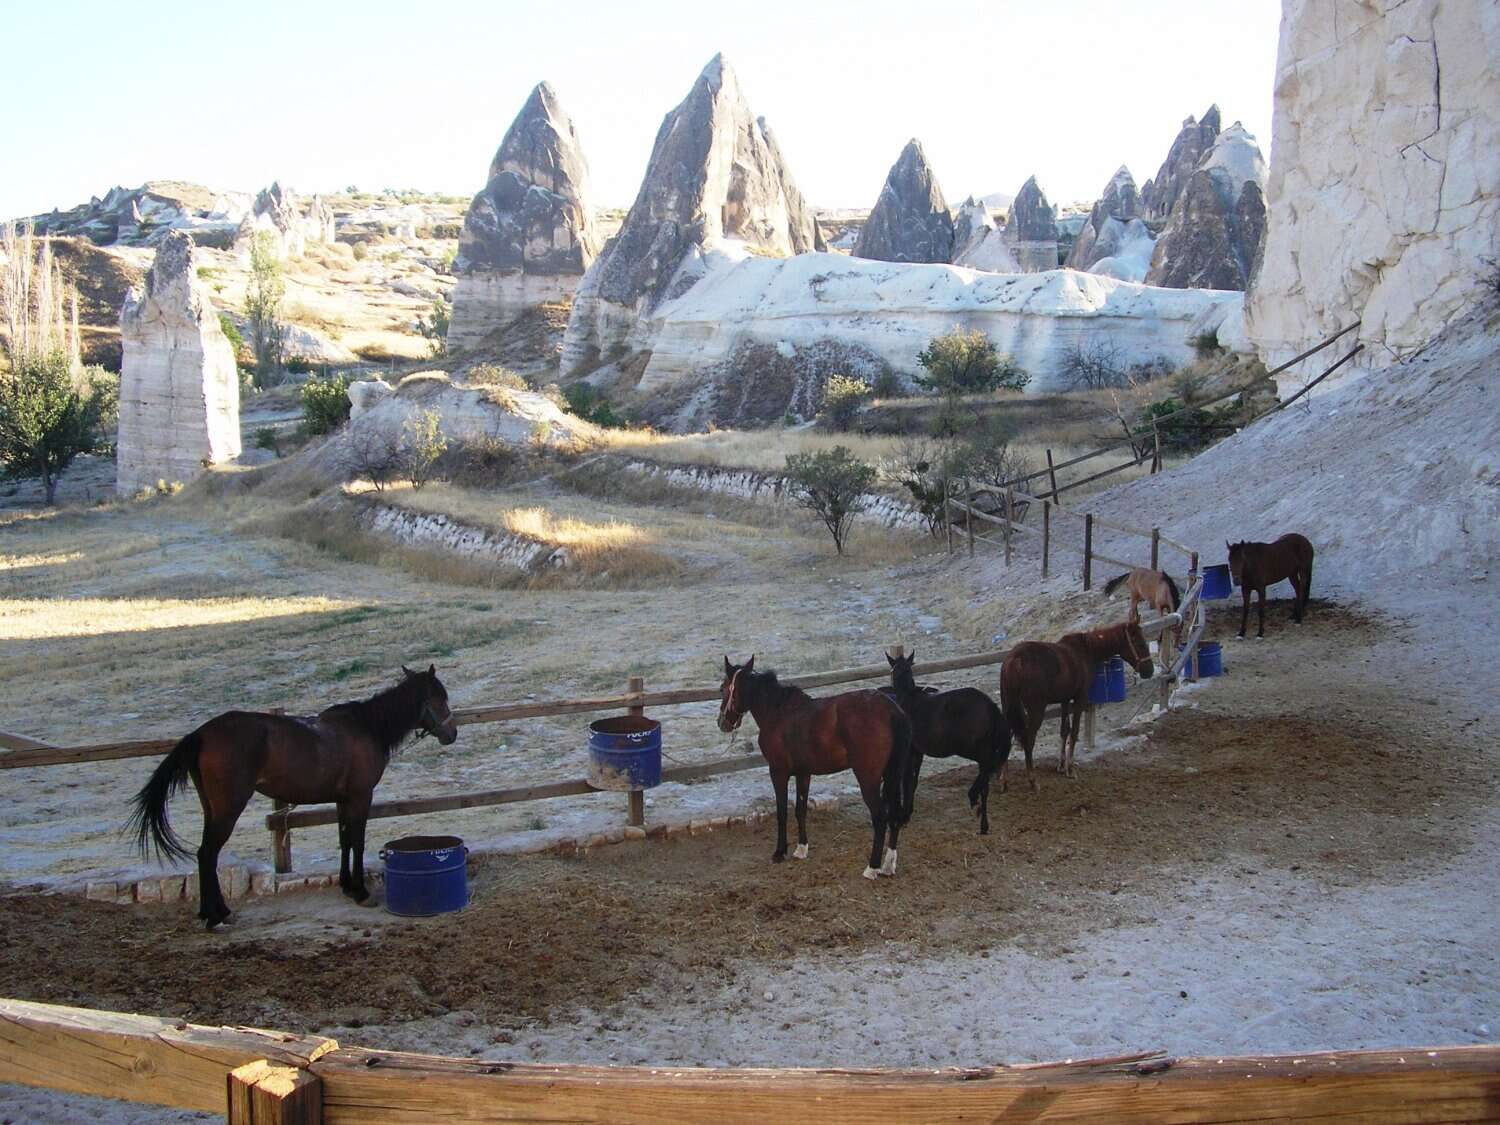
{"points": [[1156, 589]]}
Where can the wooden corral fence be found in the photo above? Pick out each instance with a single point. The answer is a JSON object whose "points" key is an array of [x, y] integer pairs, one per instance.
{"points": [[1017, 498], [23, 752], [258, 1077]]}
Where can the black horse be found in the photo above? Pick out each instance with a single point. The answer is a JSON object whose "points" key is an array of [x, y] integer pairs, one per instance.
{"points": [[963, 722]]}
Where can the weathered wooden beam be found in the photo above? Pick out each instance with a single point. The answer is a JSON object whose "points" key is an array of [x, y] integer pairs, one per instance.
{"points": [[21, 742], [137, 1058], [387, 1088], [262, 1094]]}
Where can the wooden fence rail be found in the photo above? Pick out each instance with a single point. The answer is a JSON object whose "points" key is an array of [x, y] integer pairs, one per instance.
{"points": [[271, 1078]]}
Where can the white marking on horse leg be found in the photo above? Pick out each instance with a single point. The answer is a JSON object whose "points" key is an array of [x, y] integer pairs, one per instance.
{"points": [[799, 852], [872, 873], [888, 866]]}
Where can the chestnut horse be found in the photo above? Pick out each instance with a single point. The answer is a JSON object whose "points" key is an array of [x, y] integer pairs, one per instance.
{"points": [[1036, 673], [1156, 589], [861, 731], [964, 721], [337, 755], [1258, 565]]}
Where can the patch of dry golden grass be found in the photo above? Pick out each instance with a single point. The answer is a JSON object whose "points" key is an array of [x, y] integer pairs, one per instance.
{"points": [[35, 618]]}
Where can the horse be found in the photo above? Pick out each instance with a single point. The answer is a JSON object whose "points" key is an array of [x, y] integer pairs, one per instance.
{"points": [[1036, 673], [1255, 566], [964, 722], [337, 755], [800, 736], [1156, 589]]}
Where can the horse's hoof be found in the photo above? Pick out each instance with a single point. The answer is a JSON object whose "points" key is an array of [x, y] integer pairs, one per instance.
{"points": [[367, 901], [888, 865], [872, 873], [800, 852], [778, 857]]}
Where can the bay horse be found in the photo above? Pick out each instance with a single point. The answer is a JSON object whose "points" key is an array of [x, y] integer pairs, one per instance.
{"points": [[1156, 589], [964, 721], [800, 736], [1255, 566], [337, 755], [1036, 673]]}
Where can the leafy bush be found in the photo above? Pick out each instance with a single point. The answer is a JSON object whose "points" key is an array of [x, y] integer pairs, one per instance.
{"points": [[265, 438], [422, 443], [491, 375], [589, 403], [49, 414], [263, 297], [434, 326], [888, 384], [232, 334], [325, 403], [360, 251], [842, 398], [832, 484], [962, 363], [1207, 345]]}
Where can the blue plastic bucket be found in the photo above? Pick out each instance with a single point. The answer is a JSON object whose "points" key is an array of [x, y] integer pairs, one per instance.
{"points": [[1216, 582], [1210, 659], [1114, 680], [425, 875], [1099, 685], [625, 753]]}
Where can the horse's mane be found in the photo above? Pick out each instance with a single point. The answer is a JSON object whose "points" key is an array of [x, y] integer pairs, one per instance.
{"points": [[1114, 584], [388, 715], [1172, 589], [767, 686]]}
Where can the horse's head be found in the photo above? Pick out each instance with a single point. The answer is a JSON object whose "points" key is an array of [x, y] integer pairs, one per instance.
{"points": [[1236, 560], [1137, 651], [733, 702], [436, 718], [901, 675]]}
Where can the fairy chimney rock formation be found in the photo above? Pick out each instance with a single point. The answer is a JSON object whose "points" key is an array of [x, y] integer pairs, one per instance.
{"points": [[1383, 203], [277, 213], [179, 389], [716, 188], [529, 235], [1214, 234], [1031, 229], [910, 220], [1193, 140], [1115, 241]]}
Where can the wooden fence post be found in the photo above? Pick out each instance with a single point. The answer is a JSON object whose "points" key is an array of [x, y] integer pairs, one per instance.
{"points": [[1156, 548], [281, 838], [1009, 511], [1088, 726], [969, 515], [1052, 476], [1046, 534], [636, 813], [261, 1094], [1156, 451], [947, 513], [1088, 551]]}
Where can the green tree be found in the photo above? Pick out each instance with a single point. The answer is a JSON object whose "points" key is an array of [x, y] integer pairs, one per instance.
{"points": [[50, 413], [263, 296], [325, 403], [434, 326], [422, 443], [963, 363], [834, 485], [842, 398]]}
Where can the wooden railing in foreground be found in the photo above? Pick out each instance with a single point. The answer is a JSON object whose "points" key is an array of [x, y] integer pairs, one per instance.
{"points": [[269, 1078]]}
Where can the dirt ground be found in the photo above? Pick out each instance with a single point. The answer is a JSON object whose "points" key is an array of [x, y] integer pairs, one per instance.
{"points": [[1256, 779]]}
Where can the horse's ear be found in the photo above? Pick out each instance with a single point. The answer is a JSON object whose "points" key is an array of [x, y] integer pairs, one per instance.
{"points": [[911, 657], [750, 664], [889, 659], [432, 669], [407, 672], [728, 668]]}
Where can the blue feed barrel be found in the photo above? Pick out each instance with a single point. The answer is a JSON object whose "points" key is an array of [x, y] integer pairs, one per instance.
{"points": [[1099, 685], [1210, 659], [1114, 680], [425, 875], [1216, 583], [625, 753]]}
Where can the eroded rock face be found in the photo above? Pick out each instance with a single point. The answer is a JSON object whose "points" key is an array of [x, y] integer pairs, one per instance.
{"points": [[1213, 236], [910, 221], [978, 243], [278, 213], [716, 189], [1114, 234], [179, 389], [529, 235], [1192, 142], [1384, 197], [1031, 229]]}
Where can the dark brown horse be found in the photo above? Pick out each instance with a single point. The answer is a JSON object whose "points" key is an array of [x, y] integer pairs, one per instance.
{"points": [[964, 722], [338, 755], [861, 731], [1036, 673], [1258, 565]]}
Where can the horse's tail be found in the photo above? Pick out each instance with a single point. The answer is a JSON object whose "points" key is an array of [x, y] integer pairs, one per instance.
{"points": [[1172, 589], [1002, 735], [149, 820], [898, 789], [1115, 583]]}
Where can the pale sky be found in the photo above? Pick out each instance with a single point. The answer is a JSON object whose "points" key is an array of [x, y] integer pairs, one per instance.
{"points": [[325, 93]]}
